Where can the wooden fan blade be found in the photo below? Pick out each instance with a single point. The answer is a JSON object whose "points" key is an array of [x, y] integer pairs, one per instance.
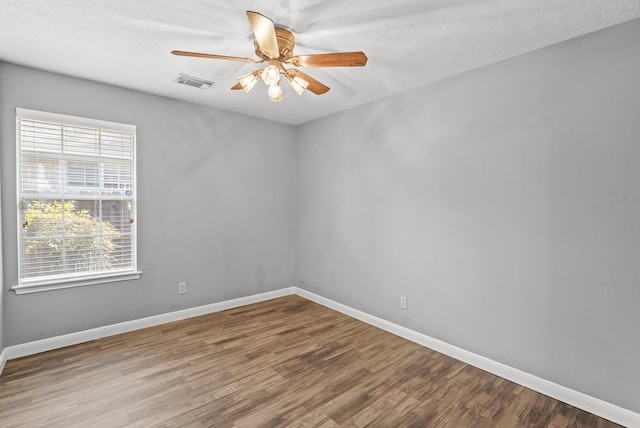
{"points": [[236, 87], [316, 87], [340, 59], [265, 33], [204, 55]]}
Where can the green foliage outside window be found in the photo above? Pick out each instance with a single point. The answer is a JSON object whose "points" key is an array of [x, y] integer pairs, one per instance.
{"points": [[59, 234]]}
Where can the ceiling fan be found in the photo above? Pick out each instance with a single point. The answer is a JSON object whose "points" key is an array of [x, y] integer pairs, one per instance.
{"points": [[274, 46]]}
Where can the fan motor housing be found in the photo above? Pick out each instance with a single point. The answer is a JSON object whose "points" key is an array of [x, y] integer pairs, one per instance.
{"points": [[286, 43]]}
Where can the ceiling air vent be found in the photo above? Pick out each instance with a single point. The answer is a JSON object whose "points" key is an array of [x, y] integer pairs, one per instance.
{"points": [[195, 82]]}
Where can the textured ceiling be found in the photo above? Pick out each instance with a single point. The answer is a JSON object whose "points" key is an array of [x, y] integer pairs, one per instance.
{"points": [[409, 43]]}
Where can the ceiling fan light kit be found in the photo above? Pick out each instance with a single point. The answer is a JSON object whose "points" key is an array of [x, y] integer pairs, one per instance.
{"points": [[275, 45]]}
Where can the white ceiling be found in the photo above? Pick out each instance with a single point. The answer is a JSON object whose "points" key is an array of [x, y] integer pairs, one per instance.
{"points": [[409, 43]]}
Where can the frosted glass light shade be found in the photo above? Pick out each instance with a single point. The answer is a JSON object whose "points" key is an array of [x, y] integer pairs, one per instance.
{"points": [[275, 93], [248, 81], [271, 75], [298, 84]]}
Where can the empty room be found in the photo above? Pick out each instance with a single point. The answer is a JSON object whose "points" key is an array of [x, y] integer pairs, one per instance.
{"points": [[319, 213]]}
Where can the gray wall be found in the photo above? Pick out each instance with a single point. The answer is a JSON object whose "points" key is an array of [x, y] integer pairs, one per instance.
{"points": [[2, 292], [214, 205], [504, 203]]}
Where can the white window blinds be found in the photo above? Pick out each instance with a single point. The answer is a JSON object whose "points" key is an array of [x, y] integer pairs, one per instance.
{"points": [[76, 198]]}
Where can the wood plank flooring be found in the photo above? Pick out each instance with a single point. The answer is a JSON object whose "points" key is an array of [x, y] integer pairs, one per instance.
{"points": [[286, 362]]}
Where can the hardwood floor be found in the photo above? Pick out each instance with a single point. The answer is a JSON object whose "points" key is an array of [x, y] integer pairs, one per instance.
{"points": [[285, 362]]}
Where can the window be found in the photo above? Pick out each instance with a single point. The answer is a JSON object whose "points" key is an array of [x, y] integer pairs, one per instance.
{"points": [[76, 201]]}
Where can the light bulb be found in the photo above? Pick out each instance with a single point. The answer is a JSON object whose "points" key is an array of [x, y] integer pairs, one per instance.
{"points": [[275, 93], [271, 74]]}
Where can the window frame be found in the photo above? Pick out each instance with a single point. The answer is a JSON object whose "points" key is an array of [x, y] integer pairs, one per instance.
{"points": [[68, 280]]}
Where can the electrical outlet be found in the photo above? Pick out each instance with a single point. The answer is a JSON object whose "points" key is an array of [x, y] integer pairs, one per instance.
{"points": [[403, 302], [182, 287]]}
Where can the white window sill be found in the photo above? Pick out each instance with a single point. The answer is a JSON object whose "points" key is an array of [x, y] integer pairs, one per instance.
{"points": [[60, 284]]}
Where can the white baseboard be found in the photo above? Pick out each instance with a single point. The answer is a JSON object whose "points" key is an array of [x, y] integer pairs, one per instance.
{"points": [[577, 399], [51, 343], [3, 359]]}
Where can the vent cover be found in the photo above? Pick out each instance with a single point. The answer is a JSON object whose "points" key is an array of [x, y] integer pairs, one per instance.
{"points": [[195, 82]]}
